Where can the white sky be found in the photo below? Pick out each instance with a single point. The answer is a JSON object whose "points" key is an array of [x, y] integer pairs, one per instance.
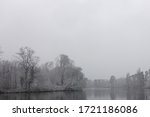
{"points": [[104, 37]]}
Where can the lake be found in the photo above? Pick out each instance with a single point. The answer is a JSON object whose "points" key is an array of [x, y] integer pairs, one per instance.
{"points": [[86, 94]]}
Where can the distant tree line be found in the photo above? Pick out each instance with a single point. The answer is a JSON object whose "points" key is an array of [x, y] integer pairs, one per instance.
{"points": [[25, 74], [136, 81], [139, 80]]}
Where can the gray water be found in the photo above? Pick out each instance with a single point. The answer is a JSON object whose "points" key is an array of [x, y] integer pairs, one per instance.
{"points": [[86, 94]]}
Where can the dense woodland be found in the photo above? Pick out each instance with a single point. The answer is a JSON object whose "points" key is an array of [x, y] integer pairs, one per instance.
{"points": [[24, 74]]}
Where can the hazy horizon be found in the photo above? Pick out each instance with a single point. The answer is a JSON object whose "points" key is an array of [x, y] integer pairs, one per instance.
{"points": [[103, 37]]}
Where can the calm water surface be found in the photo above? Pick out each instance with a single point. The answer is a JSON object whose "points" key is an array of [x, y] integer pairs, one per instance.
{"points": [[87, 94]]}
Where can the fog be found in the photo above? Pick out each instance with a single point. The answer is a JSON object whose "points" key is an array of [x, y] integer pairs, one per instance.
{"points": [[104, 37]]}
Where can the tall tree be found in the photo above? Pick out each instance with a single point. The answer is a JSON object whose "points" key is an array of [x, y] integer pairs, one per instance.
{"points": [[128, 80], [63, 62], [112, 81], [28, 62]]}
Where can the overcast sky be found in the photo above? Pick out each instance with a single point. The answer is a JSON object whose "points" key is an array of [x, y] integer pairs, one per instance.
{"points": [[104, 37]]}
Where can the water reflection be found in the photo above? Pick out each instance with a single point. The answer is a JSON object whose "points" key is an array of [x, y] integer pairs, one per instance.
{"points": [[136, 94], [87, 94], [68, 95], [113, 94], [118, 94]]}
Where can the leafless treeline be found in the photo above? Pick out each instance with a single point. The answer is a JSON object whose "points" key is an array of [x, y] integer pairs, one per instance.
{"points": [[25, 74]]}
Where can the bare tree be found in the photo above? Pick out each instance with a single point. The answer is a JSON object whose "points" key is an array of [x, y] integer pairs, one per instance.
{"points": [[28, 62]]}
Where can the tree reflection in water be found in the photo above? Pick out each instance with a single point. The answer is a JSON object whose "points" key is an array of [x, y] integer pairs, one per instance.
{"points": [[92, 94], [112, 94], [136, 94], [67, 95], [129, 94]]}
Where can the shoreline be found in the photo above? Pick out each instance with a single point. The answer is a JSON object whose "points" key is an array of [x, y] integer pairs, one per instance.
{"points": [[41, 91]]}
